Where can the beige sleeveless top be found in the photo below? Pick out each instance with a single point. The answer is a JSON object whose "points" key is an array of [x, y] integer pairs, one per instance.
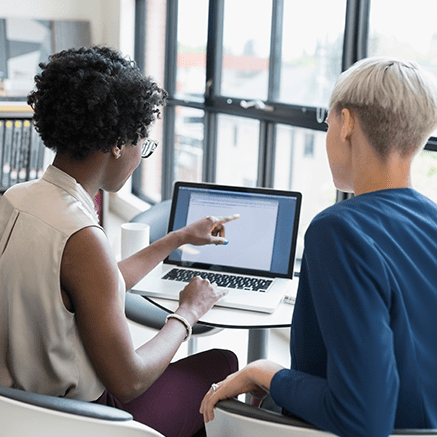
{"points": [[40, 346]]}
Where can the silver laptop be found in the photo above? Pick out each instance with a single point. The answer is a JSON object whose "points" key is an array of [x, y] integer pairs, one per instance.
{"points": [[256, 266]]}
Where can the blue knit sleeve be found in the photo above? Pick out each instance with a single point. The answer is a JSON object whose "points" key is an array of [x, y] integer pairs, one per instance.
{"points": [[345, 280]]}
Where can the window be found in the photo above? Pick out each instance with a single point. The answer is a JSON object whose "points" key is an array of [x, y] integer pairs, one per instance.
{"points": [[249, 83], [294, 170], [192, 34], [311, 51], [236, 100], [246, 48], [397, 37], [425, 174], [150, 31], [237, 150], [188, 144]]}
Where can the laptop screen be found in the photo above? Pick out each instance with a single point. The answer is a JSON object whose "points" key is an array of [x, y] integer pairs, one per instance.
{"points": [[262, 241]]}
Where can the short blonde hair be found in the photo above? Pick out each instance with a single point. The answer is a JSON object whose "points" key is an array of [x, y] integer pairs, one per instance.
{"points": [[395, 100]]}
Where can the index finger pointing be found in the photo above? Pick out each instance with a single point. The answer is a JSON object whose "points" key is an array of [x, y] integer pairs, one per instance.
{"points": [[226, 218]]}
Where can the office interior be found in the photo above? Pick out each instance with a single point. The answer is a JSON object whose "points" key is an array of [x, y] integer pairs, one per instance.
{"points": [[248, 95]]}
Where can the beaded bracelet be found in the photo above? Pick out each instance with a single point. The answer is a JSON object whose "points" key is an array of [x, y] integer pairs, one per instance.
{"points": [[184, 321]]}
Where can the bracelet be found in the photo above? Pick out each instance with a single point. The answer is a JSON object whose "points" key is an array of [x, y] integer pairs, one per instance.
{"points": [[182, 320]]}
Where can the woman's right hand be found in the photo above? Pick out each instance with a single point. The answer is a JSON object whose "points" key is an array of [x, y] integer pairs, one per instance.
{"points": [[208, 230], [199, 296]]}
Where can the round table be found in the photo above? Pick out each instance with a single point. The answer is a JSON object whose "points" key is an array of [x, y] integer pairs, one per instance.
{"points": [[257, 323]]}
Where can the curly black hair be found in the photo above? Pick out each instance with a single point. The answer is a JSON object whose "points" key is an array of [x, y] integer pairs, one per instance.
{"points": [[91, 99]]}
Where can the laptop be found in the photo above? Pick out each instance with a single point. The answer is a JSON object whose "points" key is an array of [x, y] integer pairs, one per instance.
{"points": [[256, 266]]}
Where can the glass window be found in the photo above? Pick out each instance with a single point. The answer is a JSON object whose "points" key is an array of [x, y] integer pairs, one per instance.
{"points": [[311, 51], [298, 170], [191, 51], [149, 182], [246, 46], [306, 61], [424, 174], [237, 151], [188, 144], [397, 37], [151, 168], [155, 39]]}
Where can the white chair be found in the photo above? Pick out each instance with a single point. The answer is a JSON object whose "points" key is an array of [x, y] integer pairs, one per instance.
{"points": [[24, 414], [138, 309], [233, 418]]}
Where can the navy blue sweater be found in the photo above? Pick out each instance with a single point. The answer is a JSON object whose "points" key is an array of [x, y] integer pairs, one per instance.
{"points": [[364, 330]]}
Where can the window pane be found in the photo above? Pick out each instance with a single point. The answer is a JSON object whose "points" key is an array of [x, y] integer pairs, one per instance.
{"points": [[151, 168], [397, 37], [237, 151], [151, 174], [424, 172], [155, 39], [311, 51], [246, 46], [301, 164], [192, 36], [188, 144]]}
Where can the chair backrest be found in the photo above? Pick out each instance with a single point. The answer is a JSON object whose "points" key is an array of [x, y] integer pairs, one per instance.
{"points": [[156, 217], [413, 432], [235, 419], [24, 414]]}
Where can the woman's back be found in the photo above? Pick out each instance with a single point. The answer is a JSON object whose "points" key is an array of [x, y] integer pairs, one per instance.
{"points": [[37, 219], [367, 305]]}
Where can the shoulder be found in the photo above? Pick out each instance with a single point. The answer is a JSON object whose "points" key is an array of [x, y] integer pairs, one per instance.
{"points": [[377, 222], [88, 244], [347, 229], [338, 218], [18, 194], [51, 204], [370, 213]]}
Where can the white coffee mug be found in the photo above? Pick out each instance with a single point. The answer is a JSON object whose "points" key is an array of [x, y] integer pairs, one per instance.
{"points": [[134, 237]]}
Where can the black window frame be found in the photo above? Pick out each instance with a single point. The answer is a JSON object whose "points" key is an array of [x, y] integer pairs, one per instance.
{"points": [[355, 47]]}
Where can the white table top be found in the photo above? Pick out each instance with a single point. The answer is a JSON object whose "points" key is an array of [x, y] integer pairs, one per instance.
{"points": [[239, 319]]}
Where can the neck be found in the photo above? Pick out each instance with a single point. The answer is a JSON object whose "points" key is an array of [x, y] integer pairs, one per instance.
{"points": [[87, 172], [382, 174]]}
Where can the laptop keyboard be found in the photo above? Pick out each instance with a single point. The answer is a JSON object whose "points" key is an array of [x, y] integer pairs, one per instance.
{"points": [[225, 281]]}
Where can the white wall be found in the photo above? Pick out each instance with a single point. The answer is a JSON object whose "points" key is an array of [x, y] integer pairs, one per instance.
{"points": [[111, 20]]}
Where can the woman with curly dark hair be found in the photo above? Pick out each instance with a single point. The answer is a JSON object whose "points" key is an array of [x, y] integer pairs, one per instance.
{"points": [[59, 280]]}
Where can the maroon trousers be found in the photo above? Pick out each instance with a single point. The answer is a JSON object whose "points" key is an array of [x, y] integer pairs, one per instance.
{"points": [[171, 404]]}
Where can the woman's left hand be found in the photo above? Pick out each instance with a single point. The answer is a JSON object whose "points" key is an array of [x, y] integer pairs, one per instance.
{"points": [[255, 379], [209, 230]]}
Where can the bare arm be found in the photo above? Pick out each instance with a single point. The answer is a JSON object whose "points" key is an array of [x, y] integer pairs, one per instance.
{"points": [[89, 276], [209, 230], [255, 378]]}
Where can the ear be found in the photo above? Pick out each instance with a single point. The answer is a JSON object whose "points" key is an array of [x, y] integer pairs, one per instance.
{"points": [[347, 124], [116, 151]]}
